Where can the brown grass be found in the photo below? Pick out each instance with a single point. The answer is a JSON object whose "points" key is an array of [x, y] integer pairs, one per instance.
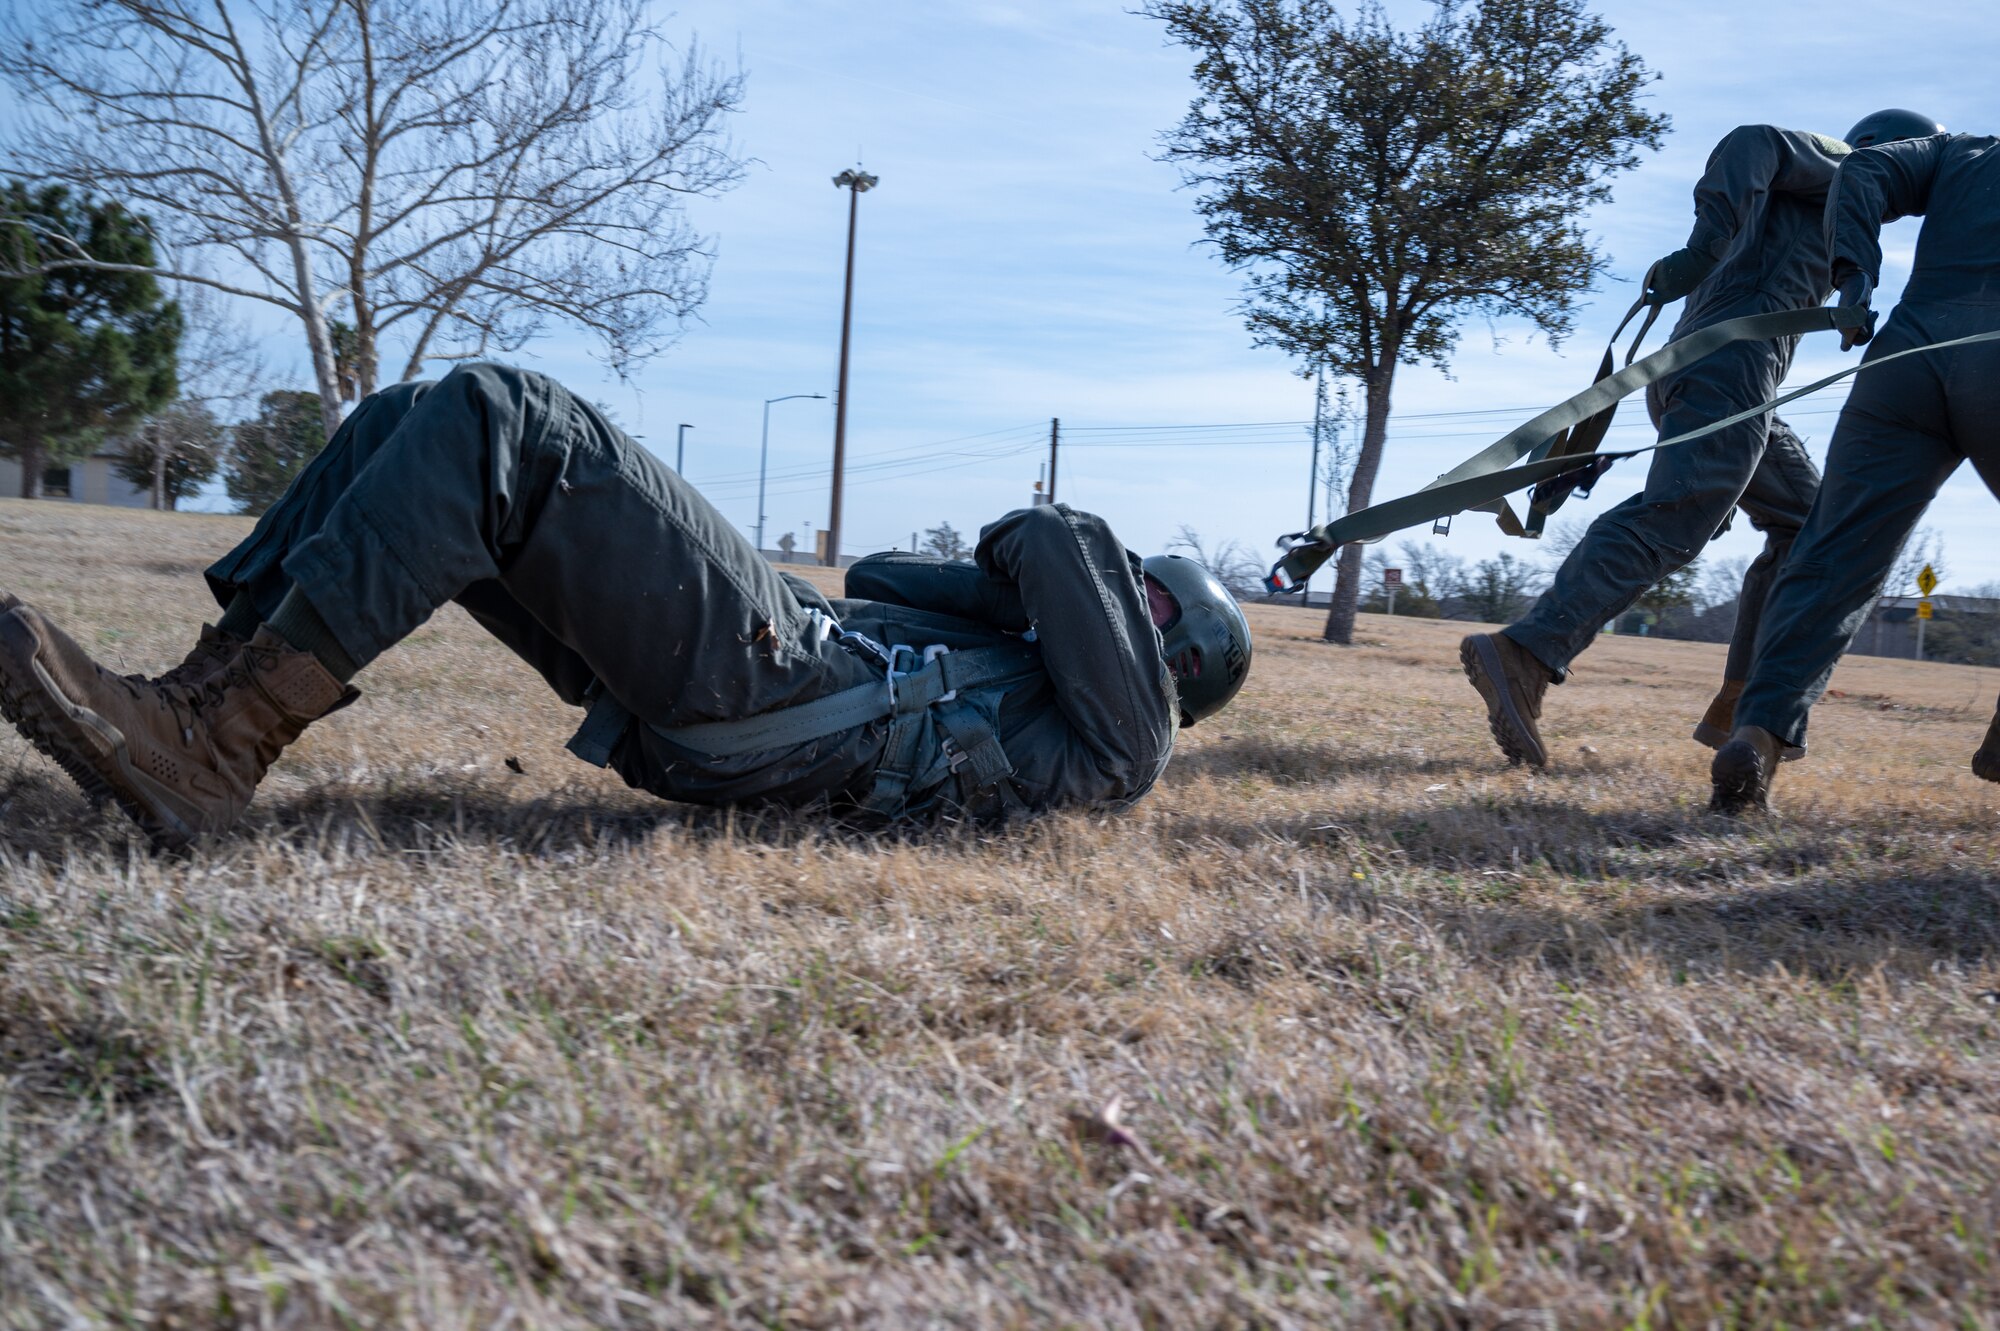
{"points": [[1397, 1037]]}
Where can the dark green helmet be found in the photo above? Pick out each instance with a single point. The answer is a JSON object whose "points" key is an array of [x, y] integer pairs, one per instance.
{"points": [[1891, 125], [1207, 641]]}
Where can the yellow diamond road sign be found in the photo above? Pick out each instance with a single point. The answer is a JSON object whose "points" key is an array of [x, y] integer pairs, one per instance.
{"points": [[1927, 582]]}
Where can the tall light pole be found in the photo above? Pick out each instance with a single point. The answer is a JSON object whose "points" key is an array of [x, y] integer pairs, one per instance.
{"points": [[857, 183], [681, 448], [764, 458]]}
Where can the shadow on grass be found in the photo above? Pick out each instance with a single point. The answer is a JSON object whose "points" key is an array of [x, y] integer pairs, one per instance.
{"points": [[43, 815], [1684, 887], [1286, 759], [1832, 927]]}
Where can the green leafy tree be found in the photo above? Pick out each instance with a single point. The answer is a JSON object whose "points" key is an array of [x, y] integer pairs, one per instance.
{"points": [[272, 447], [1377, 186], [1675, 593], [174, 452], [84, 353]]}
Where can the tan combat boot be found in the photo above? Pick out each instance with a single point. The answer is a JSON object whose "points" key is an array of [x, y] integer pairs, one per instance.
{"points": [[183, 760], [1512, 680], [1743, 770], [1986, 762], [214, 650], [1718, 723]]}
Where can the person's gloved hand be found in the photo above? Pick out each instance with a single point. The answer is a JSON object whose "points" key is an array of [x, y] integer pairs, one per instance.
{"points": [[1676, 275], [1857, 292]]}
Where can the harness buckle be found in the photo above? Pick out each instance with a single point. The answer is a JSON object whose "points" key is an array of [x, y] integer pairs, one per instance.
{"points": [[932, 653]]}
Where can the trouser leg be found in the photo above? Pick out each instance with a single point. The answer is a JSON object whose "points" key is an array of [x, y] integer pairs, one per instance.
{"points": [[579, 549], [1776, 501], [1690, 490], [1890, 453]]}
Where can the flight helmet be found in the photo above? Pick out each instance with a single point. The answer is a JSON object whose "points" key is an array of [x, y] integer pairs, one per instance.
{"points": [[1891, 125], [1207, 642]]}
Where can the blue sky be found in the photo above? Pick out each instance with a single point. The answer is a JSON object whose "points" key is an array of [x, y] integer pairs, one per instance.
{"points": [[1024, 257]]}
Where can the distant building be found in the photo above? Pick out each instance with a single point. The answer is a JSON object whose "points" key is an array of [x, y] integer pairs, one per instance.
{"points": [[91, 480], [1891, 628]]}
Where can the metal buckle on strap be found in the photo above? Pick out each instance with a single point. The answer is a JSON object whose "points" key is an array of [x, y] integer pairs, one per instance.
{"points": [[931, 654], [896, 652]]}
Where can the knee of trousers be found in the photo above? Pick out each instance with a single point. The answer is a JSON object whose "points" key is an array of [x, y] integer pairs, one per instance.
{"points": [[1673, 531], [498, 393]]}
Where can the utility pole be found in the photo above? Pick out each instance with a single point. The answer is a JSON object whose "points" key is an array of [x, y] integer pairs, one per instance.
{"points": [[1055, 438], [857, 183], [680, 450], [1312, 477]]}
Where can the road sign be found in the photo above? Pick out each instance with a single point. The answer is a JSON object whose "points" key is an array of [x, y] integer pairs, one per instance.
{"points": [[1392, 577], [1923, 610], [1927, 583]]}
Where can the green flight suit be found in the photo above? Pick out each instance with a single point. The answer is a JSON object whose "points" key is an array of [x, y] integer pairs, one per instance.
{"points": [[497, 489]]}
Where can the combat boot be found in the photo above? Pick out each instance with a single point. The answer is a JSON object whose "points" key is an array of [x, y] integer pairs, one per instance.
{"points": [[1986, 762], [1743, 771], [183, 760], [1718, 723], [1512, 680], [214, 650]]}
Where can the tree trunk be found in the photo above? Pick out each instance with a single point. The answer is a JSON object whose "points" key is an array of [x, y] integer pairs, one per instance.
{"points": [[159, 473], [1375, 432], [324, 370], [33, 460]]}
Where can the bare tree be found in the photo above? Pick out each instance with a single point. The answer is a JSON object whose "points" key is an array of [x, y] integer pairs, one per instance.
{"points": [[1379, 185], [449, 175], [178, 448], [1239, 571], [1924, 546]]}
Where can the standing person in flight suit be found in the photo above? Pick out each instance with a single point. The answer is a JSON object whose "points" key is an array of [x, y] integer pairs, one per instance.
{"points": [[1757, 247], [1905, 428], [1054, 669]]}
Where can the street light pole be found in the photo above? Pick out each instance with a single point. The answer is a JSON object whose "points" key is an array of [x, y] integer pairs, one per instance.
{"points": [[764, 458], [680, 451], [857, 183]]}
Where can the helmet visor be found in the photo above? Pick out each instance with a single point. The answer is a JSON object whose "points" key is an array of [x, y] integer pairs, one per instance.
{"points": [[1164, 605]]}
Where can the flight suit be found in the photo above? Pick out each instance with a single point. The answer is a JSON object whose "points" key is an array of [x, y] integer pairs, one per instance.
{"points": [[1758, 209], [1906, 426], [629, 593]]}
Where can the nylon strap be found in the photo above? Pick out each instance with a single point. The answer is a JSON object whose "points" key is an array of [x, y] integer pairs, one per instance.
{"points": [[1445, 497], [1317, 546], [858, 706]]}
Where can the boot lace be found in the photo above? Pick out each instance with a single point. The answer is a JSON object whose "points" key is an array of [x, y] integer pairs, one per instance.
{"points": [[187, 699]]}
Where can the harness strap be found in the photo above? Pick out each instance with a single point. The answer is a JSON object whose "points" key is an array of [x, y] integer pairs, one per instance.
{"points": [[909, 701], [1472, 489]]}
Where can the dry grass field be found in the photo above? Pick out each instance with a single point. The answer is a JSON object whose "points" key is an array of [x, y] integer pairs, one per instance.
{"points": [[1346, 1025]]}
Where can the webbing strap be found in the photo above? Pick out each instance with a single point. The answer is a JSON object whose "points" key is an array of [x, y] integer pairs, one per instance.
{"points": [[837, 712], [1315, 547], [1448, 496]]}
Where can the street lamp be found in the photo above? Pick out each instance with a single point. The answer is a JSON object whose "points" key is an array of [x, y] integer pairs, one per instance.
{"points": [[680, 450], [857, 183], [764, 458]]}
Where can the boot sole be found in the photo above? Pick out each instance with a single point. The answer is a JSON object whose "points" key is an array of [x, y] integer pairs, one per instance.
{"points": [[1714, 738], [1481, 660], [1739, 780], [90, 751]]}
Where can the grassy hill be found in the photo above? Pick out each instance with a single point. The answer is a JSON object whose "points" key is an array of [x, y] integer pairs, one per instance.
{"points": [[1346, 1025]]}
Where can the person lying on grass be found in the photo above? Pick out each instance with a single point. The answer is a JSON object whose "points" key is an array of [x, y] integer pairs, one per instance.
{"points": [[1052, 669]]}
